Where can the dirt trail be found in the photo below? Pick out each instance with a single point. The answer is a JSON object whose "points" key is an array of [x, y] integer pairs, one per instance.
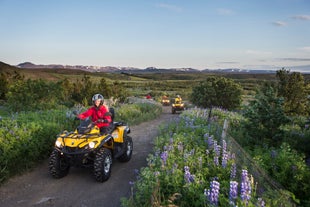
{"points": [[78, 188]]}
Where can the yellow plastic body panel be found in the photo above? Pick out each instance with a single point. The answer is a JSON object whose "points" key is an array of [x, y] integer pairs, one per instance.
{"points": [[81, 140], [118, 134]]}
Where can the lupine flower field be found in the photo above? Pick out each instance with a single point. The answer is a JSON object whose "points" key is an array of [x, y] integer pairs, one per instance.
{"points": [[194, 165]]}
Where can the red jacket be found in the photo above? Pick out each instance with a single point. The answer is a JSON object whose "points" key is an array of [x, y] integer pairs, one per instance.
{"points": [[97, 113]]}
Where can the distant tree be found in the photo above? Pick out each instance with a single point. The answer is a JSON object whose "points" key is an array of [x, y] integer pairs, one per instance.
{"points": [[295, 91], [65, 93], [119, 91], [104, 88], [83, 90], [217, 91], [31, 95], [6, 79], [4, 85]]}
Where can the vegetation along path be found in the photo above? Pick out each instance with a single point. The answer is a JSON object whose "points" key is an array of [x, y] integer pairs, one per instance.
{"points": [[79, 188]]}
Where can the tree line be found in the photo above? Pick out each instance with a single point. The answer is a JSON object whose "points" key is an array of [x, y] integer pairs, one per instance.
{"points": [[20, 94]]}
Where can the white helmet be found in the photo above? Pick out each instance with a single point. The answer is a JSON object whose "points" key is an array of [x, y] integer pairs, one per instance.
{"points": [[98, 97]]}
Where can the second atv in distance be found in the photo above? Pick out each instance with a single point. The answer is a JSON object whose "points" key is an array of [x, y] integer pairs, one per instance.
{"points": [[165, 101]]}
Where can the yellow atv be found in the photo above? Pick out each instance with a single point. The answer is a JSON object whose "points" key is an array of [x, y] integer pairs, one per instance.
{"points": [[87, 147], [177, 106]]}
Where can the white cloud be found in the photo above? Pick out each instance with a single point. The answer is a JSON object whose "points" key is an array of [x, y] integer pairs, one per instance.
{"points": [[222, 11], [301, 17], [305, 49], [279, 23], [295, 59], [257, 52], [169, 7], [228, 62]]}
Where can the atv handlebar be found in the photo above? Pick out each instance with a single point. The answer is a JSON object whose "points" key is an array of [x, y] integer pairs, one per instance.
{"points": [[98, 121], [103, 121]]}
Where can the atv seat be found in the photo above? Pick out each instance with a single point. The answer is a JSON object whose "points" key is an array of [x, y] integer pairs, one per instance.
{"points": [[111, 110]]}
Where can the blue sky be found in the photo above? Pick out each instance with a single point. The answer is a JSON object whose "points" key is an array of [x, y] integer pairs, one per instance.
{"points": [[201, 34]]}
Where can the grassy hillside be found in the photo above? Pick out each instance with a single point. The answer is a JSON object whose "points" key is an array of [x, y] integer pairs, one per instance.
{"points": [[143, 83]]}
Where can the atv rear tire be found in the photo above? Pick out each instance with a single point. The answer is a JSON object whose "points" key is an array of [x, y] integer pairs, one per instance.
{"points": [[102, 165], [58, 166], [128, 144]]}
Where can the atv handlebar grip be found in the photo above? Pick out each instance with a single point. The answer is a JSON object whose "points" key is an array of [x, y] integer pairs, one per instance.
{"points": [[103, 120]]}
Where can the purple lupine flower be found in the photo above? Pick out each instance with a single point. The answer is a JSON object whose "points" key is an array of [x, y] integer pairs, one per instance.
{"points": [[170, 148], [180, 146], [213, 192], [216, 160], [224, 144], [214, 145], [233, 156], [261, 202], [217, 149], [273, 154], [131, 183], [233, 171], [157, 152], [233, 192], [164, 156], [157, 173], [187, 175], [210, 142], [224, 160], [245, 189]]}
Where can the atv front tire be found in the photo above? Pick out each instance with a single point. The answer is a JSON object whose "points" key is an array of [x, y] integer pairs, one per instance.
{"points": [[102, 165], [128, 144], [173, 110], [58, 165]]}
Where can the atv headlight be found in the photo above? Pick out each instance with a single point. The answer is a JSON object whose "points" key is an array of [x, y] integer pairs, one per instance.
{"points": [[58, 143], [91, 145]]}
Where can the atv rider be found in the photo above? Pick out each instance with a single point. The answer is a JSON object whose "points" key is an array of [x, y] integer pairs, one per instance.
{"points": [[178, 99], [99, 114]]}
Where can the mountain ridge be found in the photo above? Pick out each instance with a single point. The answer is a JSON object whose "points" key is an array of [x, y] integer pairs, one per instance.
{"points": [[113, 69]]}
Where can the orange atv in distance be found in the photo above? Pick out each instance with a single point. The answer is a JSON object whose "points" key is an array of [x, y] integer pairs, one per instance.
{"points": [[165, 101]]}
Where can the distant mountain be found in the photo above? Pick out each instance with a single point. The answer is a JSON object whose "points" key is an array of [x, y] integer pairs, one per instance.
{"points": [[30, 65], [4, 67], [237, 70], [111, 69]]}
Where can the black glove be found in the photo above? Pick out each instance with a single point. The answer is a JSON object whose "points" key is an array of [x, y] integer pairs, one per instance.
{"points": [[103, 120]]}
